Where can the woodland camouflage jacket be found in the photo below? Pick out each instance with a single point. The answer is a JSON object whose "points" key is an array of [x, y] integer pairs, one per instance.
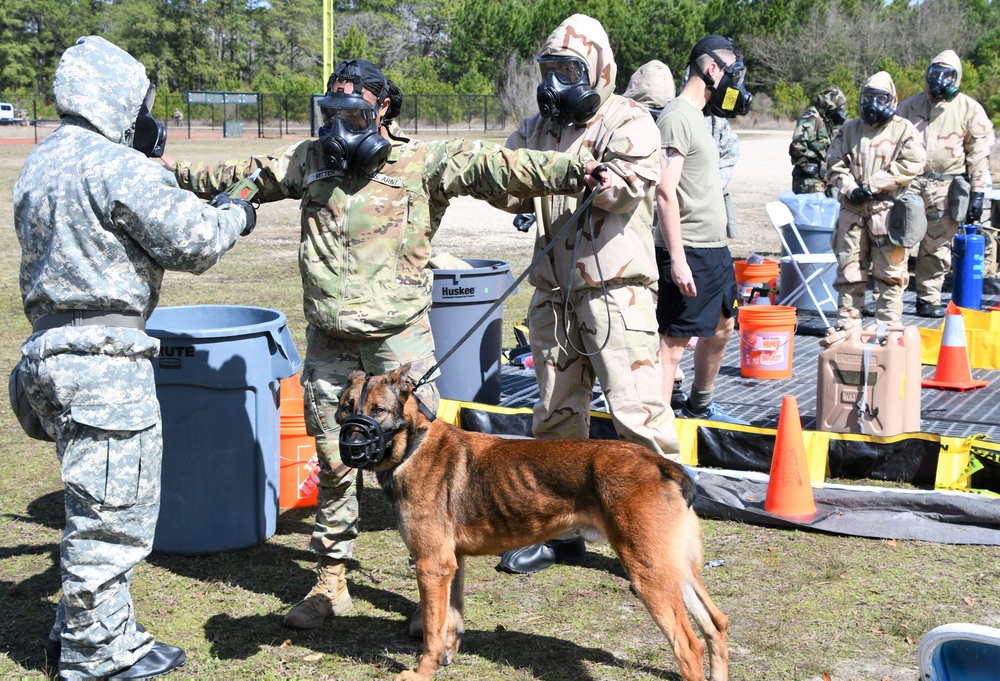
{"points": [[365, 242]]}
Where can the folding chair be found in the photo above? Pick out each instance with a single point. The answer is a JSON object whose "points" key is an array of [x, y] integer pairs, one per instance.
{"points": [[816, 264]]}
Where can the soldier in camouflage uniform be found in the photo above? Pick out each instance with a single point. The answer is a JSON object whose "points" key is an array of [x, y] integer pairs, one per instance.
{"points": [[814, 131], [958, 135], [366, 241], [606, 329], [98, 224], [873, 161]]}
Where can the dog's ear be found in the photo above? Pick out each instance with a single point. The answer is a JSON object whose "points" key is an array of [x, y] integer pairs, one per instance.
{"points": [[401, 381], [356, 375]]}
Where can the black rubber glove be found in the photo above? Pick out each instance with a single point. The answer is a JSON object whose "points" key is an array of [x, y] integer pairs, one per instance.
{"points": [[224, 199], [859, 196], [975, 208], [810, 169]]}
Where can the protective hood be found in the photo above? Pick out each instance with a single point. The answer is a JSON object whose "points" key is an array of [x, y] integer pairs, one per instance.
{"points": [[584, 37], [102, 84], [883, 81], [652, 85], [830, 99], [950, 58]]}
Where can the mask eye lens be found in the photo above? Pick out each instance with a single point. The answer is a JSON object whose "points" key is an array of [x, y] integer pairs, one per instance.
{"points": [[880, 98], [737, 71], [354, 120], [942, 73], [567, 71]]}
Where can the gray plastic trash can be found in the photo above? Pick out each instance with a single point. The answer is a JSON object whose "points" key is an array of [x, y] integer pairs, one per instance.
{"points": [[217, 382], [815, 217], [460, 298]]}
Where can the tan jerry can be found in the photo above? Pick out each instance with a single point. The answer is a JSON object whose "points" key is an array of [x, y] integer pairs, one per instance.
{"points": [[891, 394]]}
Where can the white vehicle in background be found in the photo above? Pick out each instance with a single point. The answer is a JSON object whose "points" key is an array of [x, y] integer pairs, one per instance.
{"points": [[9, 115]]}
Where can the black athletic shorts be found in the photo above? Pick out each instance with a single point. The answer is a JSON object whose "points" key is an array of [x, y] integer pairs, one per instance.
{"points": [[682, 317]]}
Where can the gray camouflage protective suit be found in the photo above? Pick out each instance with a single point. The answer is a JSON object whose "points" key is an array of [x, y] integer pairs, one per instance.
{"points": [[98, 224], [958, 136], [618, 255]]}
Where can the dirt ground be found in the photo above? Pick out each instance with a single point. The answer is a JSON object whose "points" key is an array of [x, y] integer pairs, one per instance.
{"points": [[762, 172]]}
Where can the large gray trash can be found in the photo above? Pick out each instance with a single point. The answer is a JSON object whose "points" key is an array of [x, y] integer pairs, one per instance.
{"points": [[217, 382], [815, 217], [460, 298]]}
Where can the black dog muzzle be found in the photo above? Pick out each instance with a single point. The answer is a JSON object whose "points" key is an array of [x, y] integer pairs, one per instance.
{"points": [[362, 440]]}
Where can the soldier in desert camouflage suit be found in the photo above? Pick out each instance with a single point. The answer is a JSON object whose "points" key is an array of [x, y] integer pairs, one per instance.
{"points": [[363, 258], [814, 131], [607, 330], [872, 162], [958, 135], [98, 224]]}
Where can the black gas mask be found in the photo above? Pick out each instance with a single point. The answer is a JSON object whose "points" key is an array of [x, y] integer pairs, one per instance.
{"points": [[362, 440], [729, 98], [876, 106], [837, 116], [941, 82], [149, 136], [350, 133], [565, 95]]}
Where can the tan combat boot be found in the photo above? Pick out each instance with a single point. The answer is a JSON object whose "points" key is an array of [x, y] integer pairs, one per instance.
{"points": [[328, 596]]}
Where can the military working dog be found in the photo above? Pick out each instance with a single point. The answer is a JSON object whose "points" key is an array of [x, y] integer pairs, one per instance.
{"points": [[457, 493]]}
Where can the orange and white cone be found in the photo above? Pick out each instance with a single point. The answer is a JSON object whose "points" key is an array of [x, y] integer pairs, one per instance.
{"points": [[953, 371], [789, 492]]}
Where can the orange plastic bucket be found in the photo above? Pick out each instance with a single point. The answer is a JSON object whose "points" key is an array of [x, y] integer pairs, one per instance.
{"points": [[760, 276], [767, 337], [297, 487]]}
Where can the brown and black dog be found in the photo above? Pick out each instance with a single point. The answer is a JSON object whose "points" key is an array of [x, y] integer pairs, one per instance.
{"points": [[457, 493]]}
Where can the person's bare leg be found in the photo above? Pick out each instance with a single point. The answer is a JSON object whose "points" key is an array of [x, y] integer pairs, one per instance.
{"points": [[708, 355], [671, 352]]}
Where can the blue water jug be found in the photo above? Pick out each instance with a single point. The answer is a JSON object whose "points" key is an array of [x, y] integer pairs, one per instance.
{"points": [[967, 267]]}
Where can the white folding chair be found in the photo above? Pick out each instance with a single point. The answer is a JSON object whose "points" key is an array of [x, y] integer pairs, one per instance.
{"points": [[810, 267]]}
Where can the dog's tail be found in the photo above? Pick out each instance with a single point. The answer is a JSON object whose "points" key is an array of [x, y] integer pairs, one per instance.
{"points": [[711, 622]]}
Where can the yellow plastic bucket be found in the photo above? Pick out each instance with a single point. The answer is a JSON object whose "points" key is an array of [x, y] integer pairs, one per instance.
{"points": [[767, 336]]}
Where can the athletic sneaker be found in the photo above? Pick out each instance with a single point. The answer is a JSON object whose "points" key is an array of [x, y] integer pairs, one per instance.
{"points": [[712, 413]]}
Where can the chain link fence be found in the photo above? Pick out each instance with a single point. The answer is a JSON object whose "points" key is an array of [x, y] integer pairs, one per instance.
{"points": [[204, 114]]}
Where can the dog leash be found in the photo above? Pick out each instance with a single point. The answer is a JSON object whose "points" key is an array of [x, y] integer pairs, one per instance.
{"points": [[575, 218]]}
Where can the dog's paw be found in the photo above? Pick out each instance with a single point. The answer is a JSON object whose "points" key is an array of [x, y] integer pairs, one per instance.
{"points": [[409, 675]]}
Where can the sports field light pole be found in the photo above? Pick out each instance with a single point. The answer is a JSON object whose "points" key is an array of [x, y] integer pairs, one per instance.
{"points": [[327, 43]]}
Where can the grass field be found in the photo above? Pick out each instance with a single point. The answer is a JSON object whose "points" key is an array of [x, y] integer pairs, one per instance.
{"points": [[801, 605]]}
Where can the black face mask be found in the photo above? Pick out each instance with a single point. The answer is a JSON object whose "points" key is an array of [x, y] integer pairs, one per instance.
{"points": [[149, 136], [564, 94], [350, 135], [837, 116], [876, 107], [351, 152], [941, 81], [729, 98], [362, 440]]}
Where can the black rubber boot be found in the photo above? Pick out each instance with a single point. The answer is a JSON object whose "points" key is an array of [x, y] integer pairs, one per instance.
{"points": [[527, 559], [161, 659], [929, 310]]}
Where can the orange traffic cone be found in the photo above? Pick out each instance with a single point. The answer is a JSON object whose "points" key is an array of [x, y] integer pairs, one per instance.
{"points": [[953, 359], [789, 493]]}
